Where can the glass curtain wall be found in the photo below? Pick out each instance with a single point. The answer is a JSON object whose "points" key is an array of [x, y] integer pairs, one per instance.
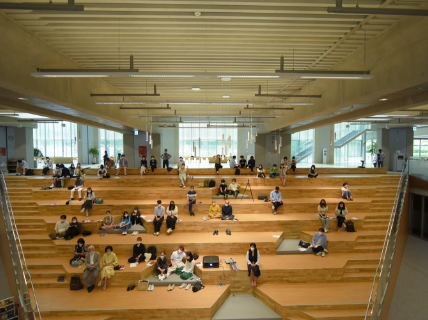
{"points": [[208, 141], [110, 141], [302, 146], [355, 150], [420, 148], [56, 139]]}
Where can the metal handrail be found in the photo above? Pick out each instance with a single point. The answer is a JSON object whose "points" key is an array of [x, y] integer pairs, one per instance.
{"points": [[16, 243], [394, 217]]}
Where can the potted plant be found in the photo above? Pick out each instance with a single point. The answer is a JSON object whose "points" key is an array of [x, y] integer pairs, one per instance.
{"points": [[94, 152], [37, 156]]}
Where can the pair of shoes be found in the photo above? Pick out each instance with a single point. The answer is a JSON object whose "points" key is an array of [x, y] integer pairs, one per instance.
{"points": [[130, 287], [60, 279], [171, 287], [103, 234], [323, 254], [188, 286], [215, 233], [183, 286], [228, 232], [274, 213], [169, 231], [151, 287], [318, 253], [90, 288], [52, 186], [192, 214], [205, 218], [156, 233], [124, 233], [134, 233]]}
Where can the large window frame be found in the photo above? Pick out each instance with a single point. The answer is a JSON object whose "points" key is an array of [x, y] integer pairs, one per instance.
{"points": [[420, 148], [56, 139], [110, 141]]}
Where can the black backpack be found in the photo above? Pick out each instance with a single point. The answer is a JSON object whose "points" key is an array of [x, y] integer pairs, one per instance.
{"points": [[75, 283], [29, 172], [211, 184], [152, 250], [86, 233], [237, 171], [350, 226]]}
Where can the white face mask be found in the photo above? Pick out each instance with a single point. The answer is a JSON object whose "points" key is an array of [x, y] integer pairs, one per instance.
{"points": [[80, 244], [179, 251], [74, 221], [159, 205], [138, 242], [108, 252], [252, 249], [126, 215], [226, 204], [62, 221], [162, 257]]}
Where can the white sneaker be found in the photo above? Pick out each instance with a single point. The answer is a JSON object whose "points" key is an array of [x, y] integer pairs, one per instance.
{"points": [[318, 253], [183, 286], [273, 207], [188, 286], [82, 210], [274, 213], [205, 218], [153, 287], [323, 254], [52, 186]]}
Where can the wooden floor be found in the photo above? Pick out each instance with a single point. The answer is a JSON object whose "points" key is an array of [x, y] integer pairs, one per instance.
{"points": [[295, 286]]}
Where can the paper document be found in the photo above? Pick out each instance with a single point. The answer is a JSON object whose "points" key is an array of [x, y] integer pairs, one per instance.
{"points": [[133, 265]]}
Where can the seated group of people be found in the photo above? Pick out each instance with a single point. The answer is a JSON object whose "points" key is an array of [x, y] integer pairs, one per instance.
{"points": [[340, 211], [224, 213], [61, 172], [232, 189]]}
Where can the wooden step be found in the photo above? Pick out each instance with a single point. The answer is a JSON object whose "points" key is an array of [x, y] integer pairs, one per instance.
{"points": [[358, 276], [345, 314], [49, 282]]}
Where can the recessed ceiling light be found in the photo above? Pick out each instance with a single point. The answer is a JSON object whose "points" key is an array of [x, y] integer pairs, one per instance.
{"points": [[226, 96], [22, 98], [226, 79], [383, 99], [196, 89]]}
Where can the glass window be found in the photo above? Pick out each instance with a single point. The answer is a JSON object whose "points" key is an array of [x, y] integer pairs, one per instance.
{"points": [[420, 148], [208, 141], [356, 149], [110, 141], [56, 139], [302, 146]]}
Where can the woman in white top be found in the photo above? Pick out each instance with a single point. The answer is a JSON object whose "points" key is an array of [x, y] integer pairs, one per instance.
{"points": [[322, 214], [346, 192], [176, 260], [253, 262], [89, 199], [172, 216], [374, 160], [285, 162], [283, 173], [341, 212], [182, 175], [190, 263], [260, 172]]}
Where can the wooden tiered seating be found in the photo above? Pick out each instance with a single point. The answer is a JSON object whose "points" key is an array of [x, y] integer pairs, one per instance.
{"points": [[295, 286]]}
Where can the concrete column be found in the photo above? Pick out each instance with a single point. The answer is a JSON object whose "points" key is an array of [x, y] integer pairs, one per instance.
{"points": [[24, 146], [400, 141], [324, 140], [129, 150], [3, 145], [286, 146]]}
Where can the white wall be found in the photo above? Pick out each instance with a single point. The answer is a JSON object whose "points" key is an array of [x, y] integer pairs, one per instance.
{"points": [[242, 149], [169, 140]]}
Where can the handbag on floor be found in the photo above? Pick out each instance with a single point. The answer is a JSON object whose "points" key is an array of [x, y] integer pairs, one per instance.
{"points": [[143, 285]]}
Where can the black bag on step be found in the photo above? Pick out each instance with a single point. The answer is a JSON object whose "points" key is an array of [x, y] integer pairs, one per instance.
{"points": [[211, 184], [237, 171], [58, 184], [29, 172], [350, 226], [75, 283]]}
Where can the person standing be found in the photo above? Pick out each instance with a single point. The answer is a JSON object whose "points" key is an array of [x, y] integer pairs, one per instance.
{"points": [[253, 262], [143, 165], [105, 158], [171, 217], [165, 156], [47, 165], [322, 214], [123, 163], [251, 163], [319, 242], [227, 212], [380, 158], [276, 199], [374, 160], [159, 214], [242, 162], [293, 164], [153, 164], [217, 163], [191, 199], [182, 176], [232, 163], [78, 186], [92, 262]]}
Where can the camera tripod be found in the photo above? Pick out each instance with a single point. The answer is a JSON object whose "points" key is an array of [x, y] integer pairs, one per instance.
{"points": [[251, 191]]}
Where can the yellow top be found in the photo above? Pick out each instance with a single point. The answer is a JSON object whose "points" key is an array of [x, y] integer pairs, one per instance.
{"points": [[215, 208]]}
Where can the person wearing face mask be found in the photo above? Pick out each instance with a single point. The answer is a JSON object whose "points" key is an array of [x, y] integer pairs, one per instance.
{"points": [[186, 271], [92, 263], [226, 212], [171, 216], [123, 163], [89, 200], [319, 242], [73, 230], [312, 172], [125, 223], [80, 251], [322, 214], [276, 199], [177, 259], [180, 162], [253, 262], [158, 218], [108, 263], [341, 212], [78, 186], [214, 211], [153, 164], [191, 198], [161, 266], [261, 172], [143, 165], [108, 221], [222, 189], [234, 188], [60, 228], [138, 252], [182, 176], [136, 217]]}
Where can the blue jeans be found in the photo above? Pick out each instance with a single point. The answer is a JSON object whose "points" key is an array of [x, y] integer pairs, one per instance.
{"points": [[191, 203], [274, 175], [126, 228], [346, 195], [380, 164]]}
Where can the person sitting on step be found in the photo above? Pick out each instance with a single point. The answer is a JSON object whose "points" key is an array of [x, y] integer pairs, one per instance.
{"points": [[21, 167], [312, 172], [78, 171], [176, 260], [56, 174], [153, 164], [89, 199], [182, 176], [226, 212], [102, 172], [341, 212], [73, 230], [108, 262], [78, 186], [346, 192], [138, 252], [136, 217], [143, 165], [108, 221], [80, 251], [274, 172], [242, 162], [186, 271], [162, 266], [125, 223], [60, 228], [319, 243], [180, 162], [214, 211], [322, 214], [71, 169], [232, 163], [47, 165], [234, 188], [217, 163], [261, 172], [191, 199], [222, 189], [123, 164], [276, 199], [293, 164], [251, 163], [159, 215], [92, 263], [171, 216]]}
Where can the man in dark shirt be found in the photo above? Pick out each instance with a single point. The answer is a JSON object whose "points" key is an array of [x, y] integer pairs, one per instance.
{"points": [[165, 157], [226, 212], [242, 162], [251, 163], [222, 188], [138, 252], [191, 198]]}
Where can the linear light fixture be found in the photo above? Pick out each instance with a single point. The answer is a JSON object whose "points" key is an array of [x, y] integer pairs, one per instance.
{"points": [[70, 6], [217, 127], [288, 103], [274, 95], [211, 125], [377, 11], [236, 103], [146, 108], [154, 94], [323, 74], [9, 115], [206, 116], [120, 102], [267, 108]]}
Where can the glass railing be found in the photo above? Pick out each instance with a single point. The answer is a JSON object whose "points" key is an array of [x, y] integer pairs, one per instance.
{"points": [[418, 166], [30, 306], [383, 270]]}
